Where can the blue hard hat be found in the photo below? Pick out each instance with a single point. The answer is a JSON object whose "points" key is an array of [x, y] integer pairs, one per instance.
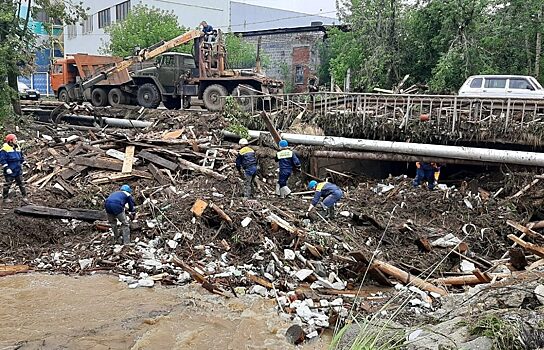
{"points": [[312, 184], [126, 188], [283, 143]]}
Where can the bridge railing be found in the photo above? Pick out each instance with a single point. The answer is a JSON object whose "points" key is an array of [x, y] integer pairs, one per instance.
{"points": [[400, 116]]}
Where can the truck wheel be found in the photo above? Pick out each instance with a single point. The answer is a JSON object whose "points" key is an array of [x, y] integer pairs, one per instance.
{"points": [[149, 96], [116, 97], [212, 97], [63, 96], [99, 98], [245, 103], [172, 103]]}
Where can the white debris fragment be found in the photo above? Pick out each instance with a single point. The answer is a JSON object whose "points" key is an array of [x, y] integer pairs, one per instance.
{"points": [[447, 241], [312, 335], [289, 254], [467, 266], [178, 236], [146, 282], [84, 263], [172, 244], [246, 222], [414, 335], [303, 274], [345, 213], [260, 290]]}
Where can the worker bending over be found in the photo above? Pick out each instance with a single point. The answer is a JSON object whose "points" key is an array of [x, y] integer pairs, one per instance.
{"points": [[429, 172], [246, 161], [330, 193], [12, 160], [206, 28], [115, 209], [287, 161]]}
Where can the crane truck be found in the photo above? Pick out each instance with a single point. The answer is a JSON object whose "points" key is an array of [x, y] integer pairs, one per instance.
{"points": [[173, 79]]}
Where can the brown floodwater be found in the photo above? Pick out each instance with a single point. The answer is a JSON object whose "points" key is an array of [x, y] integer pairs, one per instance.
{"points": [[40, 311]]}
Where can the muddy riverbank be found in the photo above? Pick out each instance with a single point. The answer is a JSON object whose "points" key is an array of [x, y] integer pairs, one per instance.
{"points": [[42, 311]]}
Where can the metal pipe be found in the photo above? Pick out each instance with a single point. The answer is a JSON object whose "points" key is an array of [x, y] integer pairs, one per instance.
{"points": [[113, 122], [486, 155]]}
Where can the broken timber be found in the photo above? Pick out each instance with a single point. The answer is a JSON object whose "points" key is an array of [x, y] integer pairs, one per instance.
{"points": [[533, 248], [153, 158], [100, 163], [73, 213], [201, 169], [212, 288], [129, 159]]}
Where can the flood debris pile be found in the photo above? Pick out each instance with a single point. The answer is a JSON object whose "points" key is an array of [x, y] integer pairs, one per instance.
{"points": [[192, 224]]}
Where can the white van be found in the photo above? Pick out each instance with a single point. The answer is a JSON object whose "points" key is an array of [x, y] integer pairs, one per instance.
{"points": [[502, 86]]}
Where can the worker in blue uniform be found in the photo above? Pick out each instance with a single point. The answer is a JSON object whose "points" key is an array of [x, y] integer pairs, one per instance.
{"points": [[11, 160], [115, 209], [429, 172], [246, 163], [329, 192], [288, 161]]}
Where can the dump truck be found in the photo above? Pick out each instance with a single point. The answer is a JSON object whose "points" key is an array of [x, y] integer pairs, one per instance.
{"points": [[173, 79]]}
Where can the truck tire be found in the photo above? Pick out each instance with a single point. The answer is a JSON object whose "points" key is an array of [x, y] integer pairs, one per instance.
{"points": [[212, 97], [172, 103], [246, 104], [63, 96], [116, 97], [149, 96], [99, 98]]}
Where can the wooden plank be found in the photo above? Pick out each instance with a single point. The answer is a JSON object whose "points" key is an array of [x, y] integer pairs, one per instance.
{"points": [[153, 158], [107, 178], [158, 176], [482, 276], [529, 232], [173, 134], [72, 171], [202, 169], [270, 127], [198, 207], [6, 270], [73, 213], [221, 213], [66, 186], [129, 159], [100, 163], [259, 280], [528, 246], [466, 280]]}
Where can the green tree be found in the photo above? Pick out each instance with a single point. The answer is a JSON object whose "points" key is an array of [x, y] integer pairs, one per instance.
{"points": [[241, 54], [144, 26], [18, 42]]}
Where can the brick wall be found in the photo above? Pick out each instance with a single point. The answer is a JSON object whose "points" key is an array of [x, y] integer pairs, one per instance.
{"points": [[290, 49]]}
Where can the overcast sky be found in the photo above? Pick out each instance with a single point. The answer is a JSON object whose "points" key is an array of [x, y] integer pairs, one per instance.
{"points": [[323, 7]]}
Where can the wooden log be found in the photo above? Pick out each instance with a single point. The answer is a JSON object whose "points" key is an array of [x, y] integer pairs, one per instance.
{"points": [[528, 246], [373, 272], [66, 186], [466, 280], [273, 218], [270, 127], [407, 278], [129, 159], [103, 179], [259, 280], [100, 163], [524, 189], [158, 175], [72, 213], [202, 169], [212, 288], [535, 225], [6, 270], [153, 158], [221, 213]]}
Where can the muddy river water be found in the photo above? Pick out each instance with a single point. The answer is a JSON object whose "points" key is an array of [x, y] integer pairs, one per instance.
{"points": [[40, 311]]}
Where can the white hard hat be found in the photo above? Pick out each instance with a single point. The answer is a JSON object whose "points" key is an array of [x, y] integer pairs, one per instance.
{"points": [[243, 142]]}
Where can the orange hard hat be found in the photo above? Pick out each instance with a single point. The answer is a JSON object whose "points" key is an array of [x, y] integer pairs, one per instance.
{"points": [[10, 138]]}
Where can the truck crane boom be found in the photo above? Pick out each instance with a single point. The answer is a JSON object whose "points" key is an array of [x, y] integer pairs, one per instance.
{"points": [[143, 55]]}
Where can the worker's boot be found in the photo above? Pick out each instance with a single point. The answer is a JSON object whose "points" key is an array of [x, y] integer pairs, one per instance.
{"points": [[330, 212], [284, 191], [126, 234]]}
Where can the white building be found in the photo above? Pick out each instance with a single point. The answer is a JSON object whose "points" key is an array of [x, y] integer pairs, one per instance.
{"points": [[227, 15], [89, 36]]}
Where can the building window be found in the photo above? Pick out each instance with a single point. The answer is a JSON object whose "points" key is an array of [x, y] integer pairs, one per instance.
{"points": [[87, 25], [121, 10], [71, 31], [104, 18], [299, 75]]}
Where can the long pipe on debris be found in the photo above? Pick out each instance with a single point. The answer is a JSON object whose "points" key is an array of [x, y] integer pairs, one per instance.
{"points": [[113, 122], [486, 155]]}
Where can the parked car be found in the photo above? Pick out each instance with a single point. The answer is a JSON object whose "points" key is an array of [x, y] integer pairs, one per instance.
{"points": [[26, 93], [502, 86]]}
